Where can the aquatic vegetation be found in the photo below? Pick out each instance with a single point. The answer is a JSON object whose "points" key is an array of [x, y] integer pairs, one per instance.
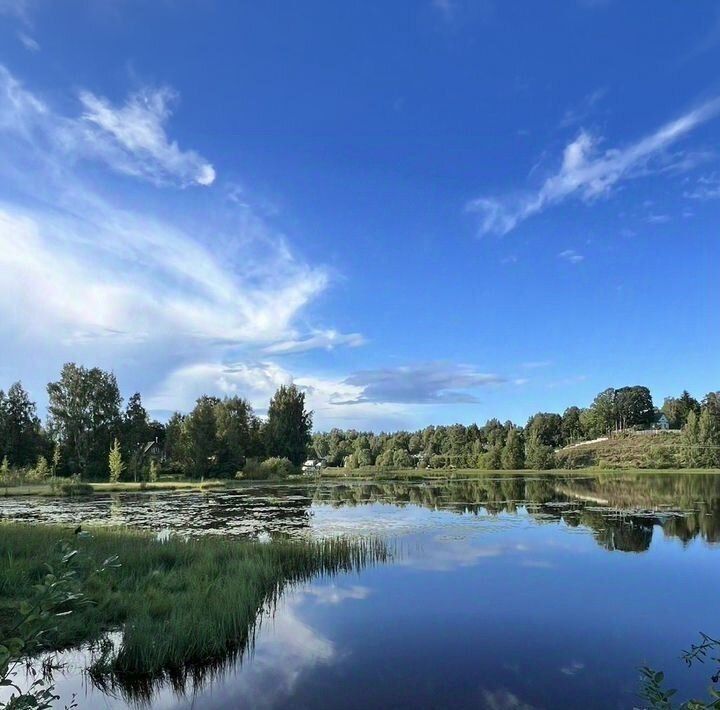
{"points": [[180, 604], [653, 687]]}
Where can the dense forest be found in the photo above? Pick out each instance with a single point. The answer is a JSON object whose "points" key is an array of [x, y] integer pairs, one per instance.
{"points": [[89, 433]]}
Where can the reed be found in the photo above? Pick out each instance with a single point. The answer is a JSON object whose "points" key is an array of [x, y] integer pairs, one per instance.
{"points": [[180, 605]]}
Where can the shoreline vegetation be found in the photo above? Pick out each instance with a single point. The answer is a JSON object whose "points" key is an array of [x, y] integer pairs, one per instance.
{"points": [[370, 474], [181, 608], [89, 437]]}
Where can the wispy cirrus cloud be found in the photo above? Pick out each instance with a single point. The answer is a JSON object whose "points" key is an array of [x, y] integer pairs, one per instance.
{"points": [[707, 187], [571, 256], [87, 272], [28, 42], [130, 139], [586, 172], [319, 339], [579, 113]]}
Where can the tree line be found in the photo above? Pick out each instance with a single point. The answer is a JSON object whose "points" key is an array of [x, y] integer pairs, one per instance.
{"points": [[498, 445], [88, 432]]}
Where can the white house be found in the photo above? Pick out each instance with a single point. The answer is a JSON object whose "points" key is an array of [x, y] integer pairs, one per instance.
{"points": [[313, 466]]}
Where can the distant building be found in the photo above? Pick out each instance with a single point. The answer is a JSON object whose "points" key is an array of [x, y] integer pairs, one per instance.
{"points": [[662, 422], [153, 451], [313, 466]]}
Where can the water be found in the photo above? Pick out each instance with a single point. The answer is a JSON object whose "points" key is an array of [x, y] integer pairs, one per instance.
{"points": [[506, 592]]}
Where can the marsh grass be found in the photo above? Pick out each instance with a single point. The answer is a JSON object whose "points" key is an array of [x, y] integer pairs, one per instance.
{"points": [[183, 607]]}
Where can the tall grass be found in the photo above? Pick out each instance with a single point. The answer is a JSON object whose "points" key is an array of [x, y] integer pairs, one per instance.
{"points": [[181, 606]]}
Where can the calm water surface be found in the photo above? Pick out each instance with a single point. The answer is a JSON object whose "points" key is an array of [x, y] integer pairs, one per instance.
{"points": [[505, 592]]}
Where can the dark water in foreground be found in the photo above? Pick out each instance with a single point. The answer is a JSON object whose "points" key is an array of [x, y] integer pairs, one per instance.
{"points": [[507, 592]]}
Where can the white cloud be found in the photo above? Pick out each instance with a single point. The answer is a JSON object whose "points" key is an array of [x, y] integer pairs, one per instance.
{"points": [[286, 647], [332, 594], [657, 218], [28, 42], [572, 668], [706, 188], [325, 339], [588, 173], [93, 276], [128, 277], [130, 139], [332, 400], [573, 116], [571, 256], [503, 699]]}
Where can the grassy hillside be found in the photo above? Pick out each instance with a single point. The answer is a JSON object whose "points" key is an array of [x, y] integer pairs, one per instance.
{"points": [[655, 451]]}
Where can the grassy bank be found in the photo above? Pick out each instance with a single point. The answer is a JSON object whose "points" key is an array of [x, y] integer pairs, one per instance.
{"points": [[181, 606]]}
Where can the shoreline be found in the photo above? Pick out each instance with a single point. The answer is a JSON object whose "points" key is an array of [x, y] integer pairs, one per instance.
{"points": [[44, 490]]}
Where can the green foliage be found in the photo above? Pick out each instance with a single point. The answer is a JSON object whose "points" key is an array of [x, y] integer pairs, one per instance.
{"points": [[538, 455], [201, 432], [709, 439], [287, 432], [56, 460], [652, 686], [136, 432], [691, 452], [153, 471], [513, 453], [84, 417], [678, 409], [181, 605], [274, 467], [5, 471], [236, 432], [41, 472], [219, 437], [72, 487], [571, 427], [547, 428], [115, 462], [278, 467], [33, 623], [21, 436]]}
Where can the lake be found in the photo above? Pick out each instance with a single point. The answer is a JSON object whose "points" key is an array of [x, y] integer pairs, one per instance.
{"points": [[504, 592]]}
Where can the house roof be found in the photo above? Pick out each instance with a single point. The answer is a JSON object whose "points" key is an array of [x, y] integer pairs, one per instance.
{"points": [[149, 446]]}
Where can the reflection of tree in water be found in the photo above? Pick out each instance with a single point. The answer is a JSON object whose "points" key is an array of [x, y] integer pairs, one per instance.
{"points": [[620, 509]]}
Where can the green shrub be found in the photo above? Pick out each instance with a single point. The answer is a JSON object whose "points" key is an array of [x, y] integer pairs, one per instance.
{"points": [[71, 487], [273, 467], [279, 467], [252, 470]]}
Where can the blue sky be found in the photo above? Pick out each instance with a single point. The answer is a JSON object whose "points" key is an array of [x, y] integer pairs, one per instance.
{"points": [[421, 212]]}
